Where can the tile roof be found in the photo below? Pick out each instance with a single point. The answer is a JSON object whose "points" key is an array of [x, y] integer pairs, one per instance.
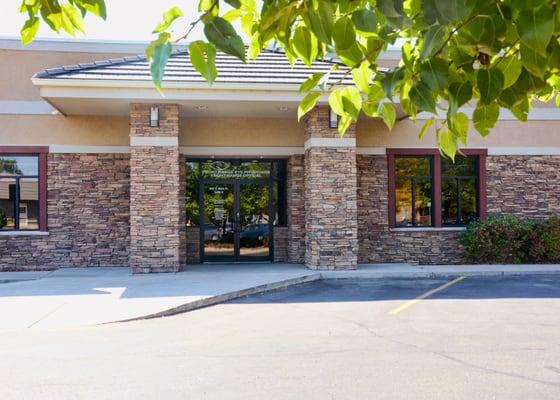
{"points": [[270, 67]]}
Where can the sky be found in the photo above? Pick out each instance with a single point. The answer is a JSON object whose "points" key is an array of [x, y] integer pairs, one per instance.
{"points": [[121, 23]]}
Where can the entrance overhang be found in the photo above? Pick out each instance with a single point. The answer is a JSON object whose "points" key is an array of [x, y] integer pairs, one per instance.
{"points": [[113, 98]]}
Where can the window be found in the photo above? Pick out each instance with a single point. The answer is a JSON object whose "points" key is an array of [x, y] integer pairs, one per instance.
{"points": [[23, 188], [271, 173], [428, 190]]}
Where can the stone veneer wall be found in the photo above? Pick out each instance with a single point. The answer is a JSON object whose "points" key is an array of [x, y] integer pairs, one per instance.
{"points": [[280, 250], [193, 244], [156, 220], [523, 185], [88, 216], [296, 209], [377, 244], [331, 225]]}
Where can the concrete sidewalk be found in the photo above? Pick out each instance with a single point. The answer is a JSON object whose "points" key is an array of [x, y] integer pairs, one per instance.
{"points": [[87, 296]]}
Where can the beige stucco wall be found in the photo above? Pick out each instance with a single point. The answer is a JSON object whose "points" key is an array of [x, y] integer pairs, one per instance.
{"points": [[18, 66], [56, 129], [373, 133], [114, 131], [240, 132]]}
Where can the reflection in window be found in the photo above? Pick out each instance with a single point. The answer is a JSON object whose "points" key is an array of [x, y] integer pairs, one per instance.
{"points": [[413, 191], [458, 191], [19, 192], [193, 194]]}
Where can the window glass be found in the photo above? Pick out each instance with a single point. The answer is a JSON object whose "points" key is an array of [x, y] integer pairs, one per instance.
{"points": [[469, 209], [463, 166], [213, 169], [7, 202], [413, 191], [403, 194], [28, 203], [412, 166], [449, 201], [423, 202], [19, 165], [193, 194]]}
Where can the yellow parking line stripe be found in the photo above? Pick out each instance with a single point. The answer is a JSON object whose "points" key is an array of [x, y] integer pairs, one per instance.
{"points": [[410, 303]]}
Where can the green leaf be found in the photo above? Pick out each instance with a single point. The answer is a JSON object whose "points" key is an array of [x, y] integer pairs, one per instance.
{"points": [[234, 3], [168, 17], [484, 31], [344, 34], [223, 35], [422, 97], [310, 83], [459, 93], [429, 122], [346, 101], [96, 7], [535, 27], [352, 56], [72, 19], [308, 102], [362, 76], [352, 101], [533, 61], [344, 123], [305, 45], [335, 101], [485, 117], [511, 69], [52, 14], [388, 114], [321, 22], [393, 11], [459, 125], [434, 73], [203, 59], [490, 83], [371, 108], [29, 30], [391, 80], [448, 144], [521, 110], [157, 53], [452, 11], [434, 39], [365, 20]]}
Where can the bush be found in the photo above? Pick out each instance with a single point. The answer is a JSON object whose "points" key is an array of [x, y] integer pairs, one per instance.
{"points": [[508, 239], [3, 219], [503, 239], [551, 240]]}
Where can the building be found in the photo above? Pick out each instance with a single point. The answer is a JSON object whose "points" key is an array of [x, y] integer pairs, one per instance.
{"points": [[97, 169]]}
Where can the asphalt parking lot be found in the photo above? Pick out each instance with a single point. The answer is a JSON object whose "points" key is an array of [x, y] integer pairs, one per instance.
{"points": [[471, 338]]}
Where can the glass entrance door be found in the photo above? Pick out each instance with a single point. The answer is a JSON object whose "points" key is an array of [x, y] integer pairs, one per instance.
{"points": [[217, 223], [236, 221], [254, 221]]}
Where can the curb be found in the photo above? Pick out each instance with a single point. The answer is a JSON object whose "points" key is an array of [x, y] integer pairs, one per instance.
{"points": [[222, 298], [327, 275]]}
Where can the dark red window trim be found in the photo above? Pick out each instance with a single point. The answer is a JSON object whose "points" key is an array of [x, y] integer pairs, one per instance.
{"points": [[42, 152], [391, 153]]}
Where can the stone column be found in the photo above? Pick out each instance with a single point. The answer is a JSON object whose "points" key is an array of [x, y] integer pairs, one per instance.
{"points": [[155, 190], [331, 219]]}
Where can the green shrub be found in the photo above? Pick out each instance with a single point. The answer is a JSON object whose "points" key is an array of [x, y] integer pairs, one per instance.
{"points": [[3, 219], [551, 240], [508, 239], [502, 239]]}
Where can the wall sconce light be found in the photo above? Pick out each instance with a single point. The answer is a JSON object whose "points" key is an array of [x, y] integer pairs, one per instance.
{"points": [[333, 119], [154, 117]]}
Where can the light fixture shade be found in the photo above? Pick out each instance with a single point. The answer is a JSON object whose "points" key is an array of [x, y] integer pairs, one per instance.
{"points": [[333, 119], [154, 116]]}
